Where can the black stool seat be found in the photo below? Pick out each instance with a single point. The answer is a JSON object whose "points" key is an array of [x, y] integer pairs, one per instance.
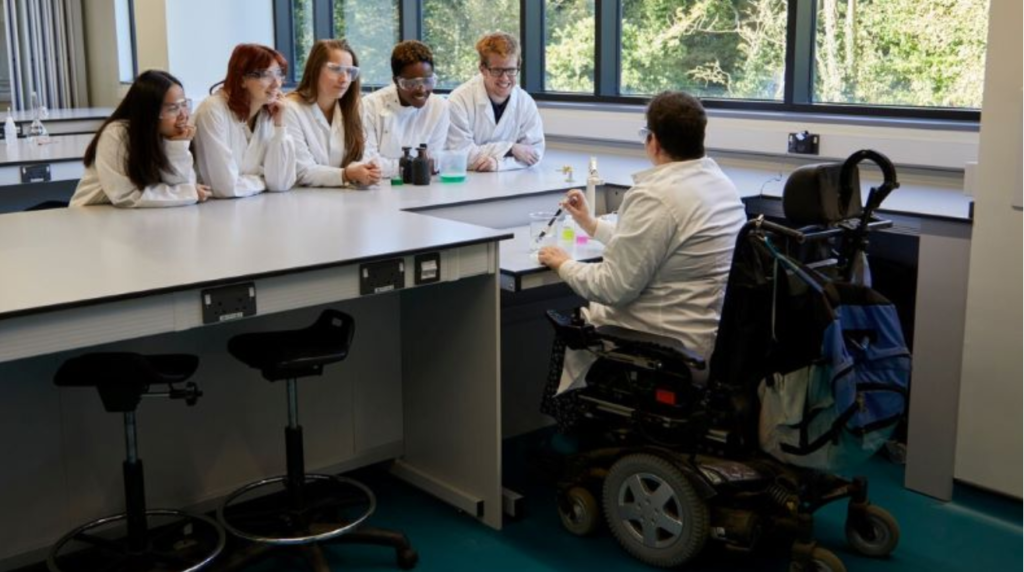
{"points": [[122, 377], [296, 353]]}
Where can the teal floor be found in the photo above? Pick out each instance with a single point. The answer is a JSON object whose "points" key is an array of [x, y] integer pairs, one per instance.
{"points": [[978, 531]]}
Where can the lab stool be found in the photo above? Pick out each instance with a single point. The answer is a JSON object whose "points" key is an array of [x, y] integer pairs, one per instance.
{"points": [[156, 539], [299, 509]]}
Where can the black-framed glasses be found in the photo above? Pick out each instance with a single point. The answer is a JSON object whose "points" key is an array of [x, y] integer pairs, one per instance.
{"points": [[267, 76], [644, 133], [510, 73], [175, 109], [337, 69], [410, 84]]}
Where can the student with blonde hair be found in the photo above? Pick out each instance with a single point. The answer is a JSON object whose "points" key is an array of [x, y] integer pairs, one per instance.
{"points": [[491, 116], [323, 116]]}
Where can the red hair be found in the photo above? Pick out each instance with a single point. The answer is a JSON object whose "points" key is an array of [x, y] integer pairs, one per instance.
{"points": [[245, 59]]}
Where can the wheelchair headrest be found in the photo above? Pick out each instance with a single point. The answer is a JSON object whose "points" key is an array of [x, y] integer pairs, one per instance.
{"points": [[818, 195]]}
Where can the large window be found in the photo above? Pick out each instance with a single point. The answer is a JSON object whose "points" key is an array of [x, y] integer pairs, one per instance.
{"points": [[922, 53], [371, 28], [569, 46], [732, 49], [452, 27], [915, 58]]}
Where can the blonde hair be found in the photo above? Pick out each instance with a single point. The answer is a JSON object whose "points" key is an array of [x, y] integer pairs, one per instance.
{"points": [[498, 43]]}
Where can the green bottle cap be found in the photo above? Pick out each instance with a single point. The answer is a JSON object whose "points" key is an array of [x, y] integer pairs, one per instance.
{"points": [[396, 181]]}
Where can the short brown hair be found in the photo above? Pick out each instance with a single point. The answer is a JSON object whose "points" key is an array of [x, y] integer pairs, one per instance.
{"points": [[498, 43], [678, 120], [410, 52]]}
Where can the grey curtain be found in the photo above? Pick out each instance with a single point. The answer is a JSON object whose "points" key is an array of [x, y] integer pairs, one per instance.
{"points": [[46, 53]]}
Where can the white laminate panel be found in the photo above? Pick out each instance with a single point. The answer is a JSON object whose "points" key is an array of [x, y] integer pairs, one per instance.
{"points": [[68, 256]]}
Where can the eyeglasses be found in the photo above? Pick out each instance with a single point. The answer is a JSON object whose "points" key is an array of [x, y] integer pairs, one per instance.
{"points": [[510, 73], [175, 109], [415, 83], [267, 76], [645, 133], [351, 71]]}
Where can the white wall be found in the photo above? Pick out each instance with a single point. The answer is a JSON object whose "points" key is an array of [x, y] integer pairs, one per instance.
{"points": [[202, 33], [989, 425], [101, 52]]}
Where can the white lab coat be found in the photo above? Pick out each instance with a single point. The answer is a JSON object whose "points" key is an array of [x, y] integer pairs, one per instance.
{"points": [[106, 182], [319, 145], [236, 161], [473, 126], [389, 126], [667, 260]]}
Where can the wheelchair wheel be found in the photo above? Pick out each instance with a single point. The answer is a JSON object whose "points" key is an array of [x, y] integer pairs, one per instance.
{"points": [[872, 531], [579, 511], [653, 511], [822, 560]]}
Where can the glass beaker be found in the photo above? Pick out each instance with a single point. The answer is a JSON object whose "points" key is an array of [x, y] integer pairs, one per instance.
{"points": [[453, 165]]}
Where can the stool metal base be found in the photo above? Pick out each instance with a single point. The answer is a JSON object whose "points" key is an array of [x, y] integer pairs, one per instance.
{"points": [[178, 541], [331, 506]]}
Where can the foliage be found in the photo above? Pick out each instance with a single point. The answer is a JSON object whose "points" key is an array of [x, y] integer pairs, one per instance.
{"points": [[884, 52], [452, 27]]}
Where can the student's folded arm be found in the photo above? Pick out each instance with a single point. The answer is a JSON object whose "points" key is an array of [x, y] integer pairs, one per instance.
{"points": [[216, 161], [279, 164], [631, 258], [182, 167], [122, 192]]}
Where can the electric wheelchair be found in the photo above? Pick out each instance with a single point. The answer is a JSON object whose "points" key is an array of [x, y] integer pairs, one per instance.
{"points": [[673, 464]]}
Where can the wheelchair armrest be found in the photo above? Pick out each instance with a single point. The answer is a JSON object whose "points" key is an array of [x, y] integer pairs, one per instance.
{"points": [[577, 333], [635, 338]]}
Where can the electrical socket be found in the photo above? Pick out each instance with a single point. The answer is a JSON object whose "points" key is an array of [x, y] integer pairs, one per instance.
{"points": [[225, 303], [803, 143], [382, 276]]}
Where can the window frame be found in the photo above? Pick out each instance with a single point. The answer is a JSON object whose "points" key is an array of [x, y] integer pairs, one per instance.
{"points": [[799, 61]]}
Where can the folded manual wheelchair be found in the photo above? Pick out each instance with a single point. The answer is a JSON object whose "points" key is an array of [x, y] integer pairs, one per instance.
{"points": [[808, 378]]}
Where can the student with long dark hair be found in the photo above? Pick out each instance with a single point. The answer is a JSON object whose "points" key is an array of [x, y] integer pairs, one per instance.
{"points": [[140, 156], [323, 116], [242, 146]]}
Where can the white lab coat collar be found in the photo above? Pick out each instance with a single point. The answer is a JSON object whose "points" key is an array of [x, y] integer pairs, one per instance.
{"points": [[481, 99]]}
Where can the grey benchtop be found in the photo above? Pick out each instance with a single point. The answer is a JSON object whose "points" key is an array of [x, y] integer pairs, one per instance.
{"points": [[79, 114], [69, 256], [61, 148]]}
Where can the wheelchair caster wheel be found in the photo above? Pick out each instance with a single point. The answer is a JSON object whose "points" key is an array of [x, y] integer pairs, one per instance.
{"points": [[820, 560], [408, 558], [580, 512], [872, 531]]}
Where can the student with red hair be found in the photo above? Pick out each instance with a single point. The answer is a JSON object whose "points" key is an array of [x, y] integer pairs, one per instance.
{"points": [[242, 146]]}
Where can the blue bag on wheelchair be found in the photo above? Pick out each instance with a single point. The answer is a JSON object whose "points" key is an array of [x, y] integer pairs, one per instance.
{"points": [[835, 411]]}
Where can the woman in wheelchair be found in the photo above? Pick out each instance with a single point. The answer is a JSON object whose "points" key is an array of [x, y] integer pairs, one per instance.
{"points": [[666, 261]]}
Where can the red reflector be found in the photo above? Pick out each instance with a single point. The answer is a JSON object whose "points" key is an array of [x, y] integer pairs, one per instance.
{"points": [[665, 396]]}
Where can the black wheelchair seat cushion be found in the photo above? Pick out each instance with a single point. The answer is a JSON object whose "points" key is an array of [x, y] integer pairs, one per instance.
{"points": [[296, 353]]}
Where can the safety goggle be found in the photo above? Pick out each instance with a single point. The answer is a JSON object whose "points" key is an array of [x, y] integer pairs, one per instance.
{"points": [[351, 71], [416, 83]]}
